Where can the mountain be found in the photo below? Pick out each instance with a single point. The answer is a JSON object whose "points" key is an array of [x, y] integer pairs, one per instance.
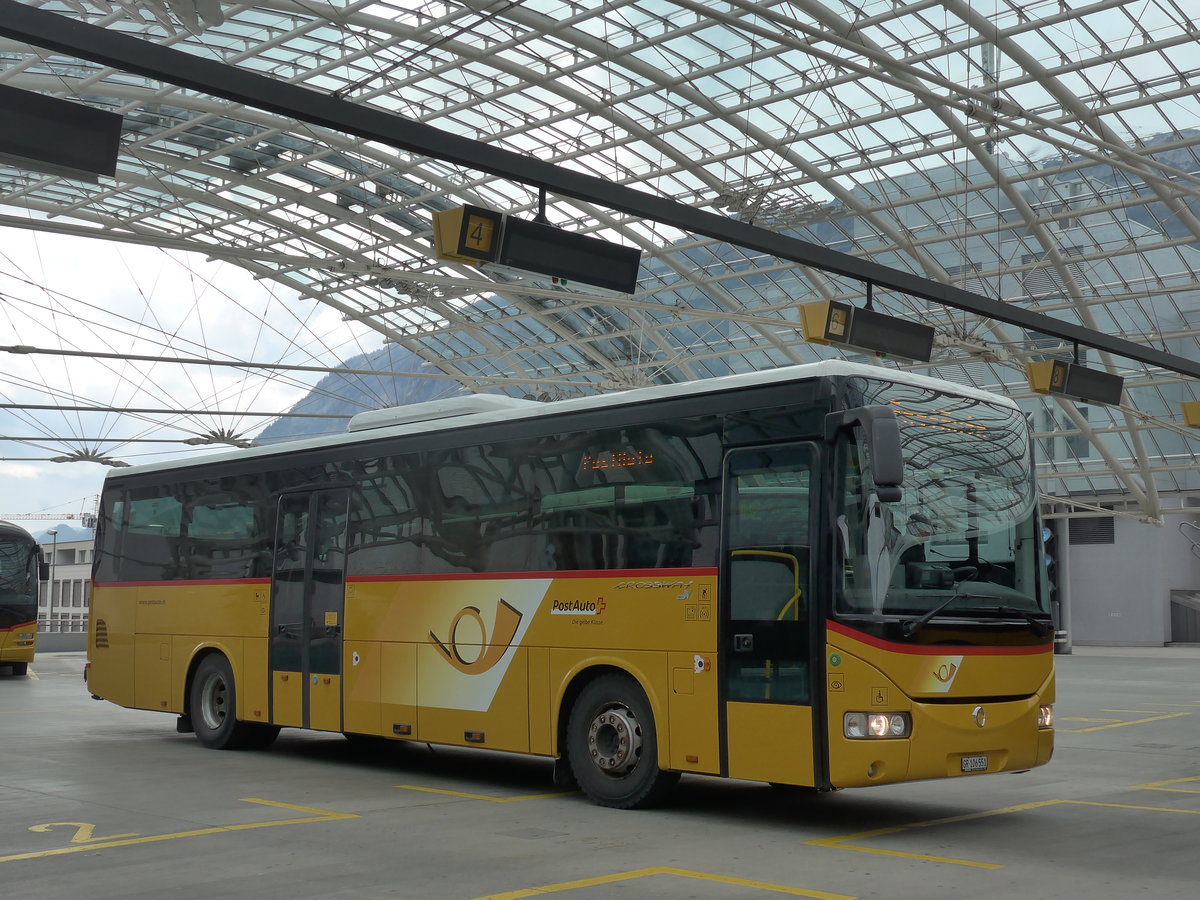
{"points": [[342, 393], [65, 533]]}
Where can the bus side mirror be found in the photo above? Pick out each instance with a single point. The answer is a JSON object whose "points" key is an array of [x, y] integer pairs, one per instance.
{"points": [[43, 570], [881, 432]]}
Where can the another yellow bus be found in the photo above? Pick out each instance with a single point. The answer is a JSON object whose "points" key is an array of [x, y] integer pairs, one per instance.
{"points": [[825, 576], [21, 570]]}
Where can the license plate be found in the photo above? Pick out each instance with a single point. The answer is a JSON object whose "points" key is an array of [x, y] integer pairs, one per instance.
{"points": [[974, 763]]}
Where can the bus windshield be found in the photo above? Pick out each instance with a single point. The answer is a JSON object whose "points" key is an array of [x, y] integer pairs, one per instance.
{"points": [[18, 583], [963, 541]]}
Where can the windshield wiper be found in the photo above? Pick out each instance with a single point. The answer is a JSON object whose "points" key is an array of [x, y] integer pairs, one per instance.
{"points": [[912, 626], [1039, 628]]}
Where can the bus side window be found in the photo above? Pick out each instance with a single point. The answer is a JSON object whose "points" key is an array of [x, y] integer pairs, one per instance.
{"points": [[385, 528], [227, 535], [152, 531], [765, 587], [455, 501]]}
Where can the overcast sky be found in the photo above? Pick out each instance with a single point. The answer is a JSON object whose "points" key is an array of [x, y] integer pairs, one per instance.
{"points": [[97, 296]]}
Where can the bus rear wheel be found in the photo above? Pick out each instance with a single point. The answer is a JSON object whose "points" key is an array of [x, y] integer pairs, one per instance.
{"points": [[213, 708], [21, 668], [612, 745]]}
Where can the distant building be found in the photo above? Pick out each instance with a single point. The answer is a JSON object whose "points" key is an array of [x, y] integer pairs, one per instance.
{"points": [[64, 600]]}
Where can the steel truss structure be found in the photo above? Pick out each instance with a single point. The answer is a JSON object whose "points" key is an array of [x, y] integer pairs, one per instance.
{"points": [[1036, 154]]}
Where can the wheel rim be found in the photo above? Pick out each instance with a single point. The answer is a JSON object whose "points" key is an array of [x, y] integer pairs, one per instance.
{"points": [[614, 740], [214, 700]]}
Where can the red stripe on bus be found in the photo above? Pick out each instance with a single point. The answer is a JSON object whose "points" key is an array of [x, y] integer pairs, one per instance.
{"points": [[655, 574], [648, 574], [937, 649], [30, 624]]}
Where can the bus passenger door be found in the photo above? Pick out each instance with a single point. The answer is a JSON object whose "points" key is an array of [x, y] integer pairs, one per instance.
{"points": [[765, 610], [307, 601]]}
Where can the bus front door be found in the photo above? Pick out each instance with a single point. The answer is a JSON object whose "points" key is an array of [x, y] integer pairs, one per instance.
{"points": [[307, 601], [765, 633]]}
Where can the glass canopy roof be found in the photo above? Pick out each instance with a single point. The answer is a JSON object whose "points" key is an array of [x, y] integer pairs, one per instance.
{"points": [[1039, 152]]}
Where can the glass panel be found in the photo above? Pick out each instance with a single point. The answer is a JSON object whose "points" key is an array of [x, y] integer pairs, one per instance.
{"points": [[18, 581], [763, 586], [227, 534], [14, 567], [610, 499], [155, 515], [964, 535], [328, 594], [767, 575], [287, 592], [150, 545]]}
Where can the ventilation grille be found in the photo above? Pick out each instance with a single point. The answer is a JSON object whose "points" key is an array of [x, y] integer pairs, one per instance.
{"points": [[1185, 617], [1097, 530], [1045, 280], [101, 634]]}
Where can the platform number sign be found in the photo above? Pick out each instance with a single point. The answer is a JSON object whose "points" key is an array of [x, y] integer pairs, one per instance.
{"points": [[479, 234], [467, 234]]}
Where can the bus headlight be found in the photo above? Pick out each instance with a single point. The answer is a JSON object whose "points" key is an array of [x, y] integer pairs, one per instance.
{"points": [[862, 725], [1046, 715]]}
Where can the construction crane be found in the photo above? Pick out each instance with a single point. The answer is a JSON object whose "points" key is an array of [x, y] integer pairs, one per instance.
{"points": [[86, 519]]}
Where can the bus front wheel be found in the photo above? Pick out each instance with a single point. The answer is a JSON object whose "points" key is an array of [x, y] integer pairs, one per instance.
{"points": [[612, 745], [21, 668], [213, 706]]}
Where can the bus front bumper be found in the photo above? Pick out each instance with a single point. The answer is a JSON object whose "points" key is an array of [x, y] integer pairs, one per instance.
{"points": [[948, 740]]}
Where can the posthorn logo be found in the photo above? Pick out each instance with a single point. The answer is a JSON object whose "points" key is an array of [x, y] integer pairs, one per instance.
{"points": [[505, 628]]}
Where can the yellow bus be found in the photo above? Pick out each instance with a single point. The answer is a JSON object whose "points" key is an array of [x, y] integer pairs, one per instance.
{"points": [[825, 576], [21, 570]]}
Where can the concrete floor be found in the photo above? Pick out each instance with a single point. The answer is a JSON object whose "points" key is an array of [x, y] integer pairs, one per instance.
{"points": [[99, 802]]}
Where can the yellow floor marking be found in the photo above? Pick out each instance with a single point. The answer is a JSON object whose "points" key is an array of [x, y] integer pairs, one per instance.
{"points": [[1081, 719], [1166, 809], [663, 870], [1123, 724], [84, 831], [32, 675], [1162, 785], [318, 815], [841, 842], [466, 796]]}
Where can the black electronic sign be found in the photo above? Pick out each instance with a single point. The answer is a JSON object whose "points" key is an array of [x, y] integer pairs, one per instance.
{"points": [[1091, 384], [1057, 376], [832, 322], [890, 336], [57, 137], [545, 250]]}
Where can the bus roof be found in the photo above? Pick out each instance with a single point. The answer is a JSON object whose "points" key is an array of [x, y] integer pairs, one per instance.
{"points": [[9, 531], [440, 419]]}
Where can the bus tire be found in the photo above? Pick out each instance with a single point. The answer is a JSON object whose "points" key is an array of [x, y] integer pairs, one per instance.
{"points": [[213, 710], [21, 668], [612, 745]]}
